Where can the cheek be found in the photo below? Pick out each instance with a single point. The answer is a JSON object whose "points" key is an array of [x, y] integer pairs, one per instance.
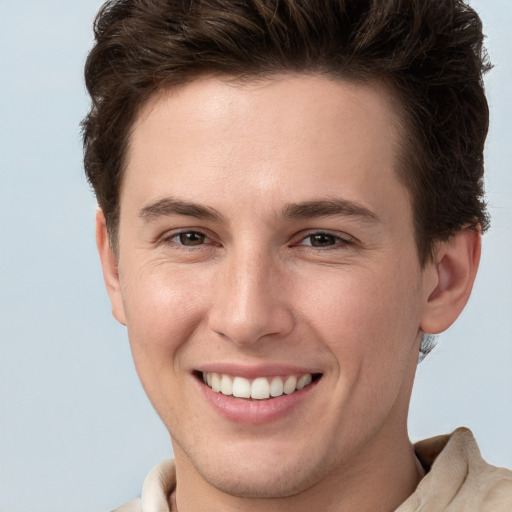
{"points": [[362, 313], [163, 307]]}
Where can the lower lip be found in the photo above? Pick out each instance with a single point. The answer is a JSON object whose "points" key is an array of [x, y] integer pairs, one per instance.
{"points": [[255, 412]]}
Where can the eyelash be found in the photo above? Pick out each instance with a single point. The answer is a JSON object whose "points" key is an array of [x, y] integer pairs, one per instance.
{"points": [[168, 239], [339, 241]]}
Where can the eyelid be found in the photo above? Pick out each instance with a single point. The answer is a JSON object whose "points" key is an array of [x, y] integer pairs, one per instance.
{"points": [[168, 236], [344, 238]]}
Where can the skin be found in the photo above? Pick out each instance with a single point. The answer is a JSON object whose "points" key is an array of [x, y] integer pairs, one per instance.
{"points": [[255, 289]]}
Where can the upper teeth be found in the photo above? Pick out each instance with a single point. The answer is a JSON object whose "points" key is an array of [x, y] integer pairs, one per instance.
{"points": [[259, 389]]}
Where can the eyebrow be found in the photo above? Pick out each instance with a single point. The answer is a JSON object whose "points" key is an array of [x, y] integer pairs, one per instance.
{"points": [[170, 206], [309, 209], [326, 208]]}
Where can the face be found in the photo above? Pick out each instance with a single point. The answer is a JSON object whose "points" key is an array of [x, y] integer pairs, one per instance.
{"points": [[266, 249]]}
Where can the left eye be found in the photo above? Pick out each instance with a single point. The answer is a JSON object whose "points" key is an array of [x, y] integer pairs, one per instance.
{"points": [[323, 240], [190, 238]]}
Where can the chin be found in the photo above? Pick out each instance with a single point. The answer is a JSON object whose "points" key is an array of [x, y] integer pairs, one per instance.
{"points": [[278, 484], [263, 477]]}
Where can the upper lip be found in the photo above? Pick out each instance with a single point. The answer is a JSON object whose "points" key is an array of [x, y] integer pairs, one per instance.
{"points": [[254, 371]]}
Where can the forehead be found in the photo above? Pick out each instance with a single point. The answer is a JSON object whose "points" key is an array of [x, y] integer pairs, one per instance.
{"points": [[281, 137], [220, 105]]}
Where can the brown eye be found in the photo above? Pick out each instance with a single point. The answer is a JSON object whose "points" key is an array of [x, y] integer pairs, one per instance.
{"points": [[322, 240], [326, 240], [190, 238]]}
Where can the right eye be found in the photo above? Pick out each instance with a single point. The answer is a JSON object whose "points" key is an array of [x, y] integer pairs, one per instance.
{"points": [[322, 240], [188, 238]]}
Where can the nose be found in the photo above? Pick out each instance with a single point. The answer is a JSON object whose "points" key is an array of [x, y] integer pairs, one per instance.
{"points": [[251, 302]]}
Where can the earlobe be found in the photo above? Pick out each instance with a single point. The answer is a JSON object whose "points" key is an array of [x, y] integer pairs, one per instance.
{"points": [[454, 270], [109, 267]]}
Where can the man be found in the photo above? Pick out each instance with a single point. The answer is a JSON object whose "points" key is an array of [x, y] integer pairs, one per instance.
{"points": [[290, 199]]}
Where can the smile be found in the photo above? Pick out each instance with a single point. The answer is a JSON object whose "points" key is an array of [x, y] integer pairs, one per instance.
{"points": [[261, 388]]}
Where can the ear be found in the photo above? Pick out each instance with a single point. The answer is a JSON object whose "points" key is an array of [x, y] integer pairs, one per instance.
{"points": [[451, 276], [109, 267]]}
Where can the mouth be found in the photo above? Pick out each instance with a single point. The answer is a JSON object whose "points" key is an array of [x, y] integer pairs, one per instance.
{"points": [[259, 388]]}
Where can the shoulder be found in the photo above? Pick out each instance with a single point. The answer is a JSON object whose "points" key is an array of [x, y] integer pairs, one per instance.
{"points": [[486, 485], [156, 489], [459, 477]]}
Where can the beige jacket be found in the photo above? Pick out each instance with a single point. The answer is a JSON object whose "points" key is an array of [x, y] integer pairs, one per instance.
{"points": [[458, 480]]}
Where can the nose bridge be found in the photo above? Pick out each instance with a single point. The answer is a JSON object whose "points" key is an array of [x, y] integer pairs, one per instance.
{"points": [[250, 304]]}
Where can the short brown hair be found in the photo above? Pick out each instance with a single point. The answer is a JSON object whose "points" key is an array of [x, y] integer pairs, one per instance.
{"points": [[428, 51]]}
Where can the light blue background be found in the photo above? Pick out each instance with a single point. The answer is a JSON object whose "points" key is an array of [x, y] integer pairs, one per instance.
{"points": [[76, 431]]}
